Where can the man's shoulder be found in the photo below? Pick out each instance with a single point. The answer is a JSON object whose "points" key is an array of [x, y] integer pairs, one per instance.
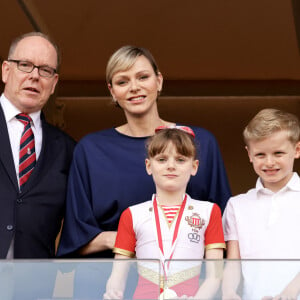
{"points": [[55, 132]]}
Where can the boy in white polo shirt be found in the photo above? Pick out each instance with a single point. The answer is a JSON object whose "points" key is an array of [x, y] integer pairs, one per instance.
{"points": [[264, 222]]}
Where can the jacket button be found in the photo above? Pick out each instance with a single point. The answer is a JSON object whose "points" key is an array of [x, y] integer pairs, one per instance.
{"points": [[19, 200], [9, 227]]}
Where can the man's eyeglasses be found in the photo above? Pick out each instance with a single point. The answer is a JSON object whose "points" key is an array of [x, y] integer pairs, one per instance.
{"points": [[27, 66]]}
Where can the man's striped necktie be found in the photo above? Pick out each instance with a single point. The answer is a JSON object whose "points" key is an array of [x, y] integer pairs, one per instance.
{"points": [[27, 158]]}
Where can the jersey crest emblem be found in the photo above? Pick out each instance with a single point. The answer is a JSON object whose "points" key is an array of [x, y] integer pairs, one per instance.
{"points": [[195, 221]]}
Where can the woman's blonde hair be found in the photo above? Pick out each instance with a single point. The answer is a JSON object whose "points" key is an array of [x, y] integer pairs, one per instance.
{"points": [[269, 121], [124, 58]]}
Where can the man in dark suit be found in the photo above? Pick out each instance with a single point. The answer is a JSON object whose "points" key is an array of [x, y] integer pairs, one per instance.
{"points": [[32, 209]]}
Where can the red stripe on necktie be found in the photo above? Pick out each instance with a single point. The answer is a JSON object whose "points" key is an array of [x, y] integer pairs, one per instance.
{"points": [[27, 156]]}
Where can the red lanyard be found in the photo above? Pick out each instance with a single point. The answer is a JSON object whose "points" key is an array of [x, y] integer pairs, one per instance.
{"points": [[158, 229]]}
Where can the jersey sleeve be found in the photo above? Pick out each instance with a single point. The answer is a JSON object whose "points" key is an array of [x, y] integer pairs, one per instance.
{"points": [[125, 241], [229, 223], [214, 237]]}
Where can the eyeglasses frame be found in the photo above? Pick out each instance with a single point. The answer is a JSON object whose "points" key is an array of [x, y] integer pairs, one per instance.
{"points": [[17, 61]]}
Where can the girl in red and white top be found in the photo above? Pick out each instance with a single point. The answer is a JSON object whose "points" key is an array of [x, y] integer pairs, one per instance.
{"points": [[169, 227]]}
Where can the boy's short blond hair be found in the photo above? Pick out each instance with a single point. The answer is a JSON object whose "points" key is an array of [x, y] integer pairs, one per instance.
{"points": [[183, 142], [269, 121]]}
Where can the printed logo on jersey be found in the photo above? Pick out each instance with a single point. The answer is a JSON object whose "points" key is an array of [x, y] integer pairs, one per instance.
{"points": [[194, 237], [196, 223]]}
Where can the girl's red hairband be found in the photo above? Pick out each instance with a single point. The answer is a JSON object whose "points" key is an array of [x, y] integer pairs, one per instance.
{"points": [[186, 129]]}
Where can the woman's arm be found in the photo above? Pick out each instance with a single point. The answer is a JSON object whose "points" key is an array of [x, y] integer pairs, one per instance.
{"points": [[103, 241]]}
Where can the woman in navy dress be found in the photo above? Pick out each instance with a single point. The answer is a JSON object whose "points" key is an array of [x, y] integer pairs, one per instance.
{"points": [[108, 170]]}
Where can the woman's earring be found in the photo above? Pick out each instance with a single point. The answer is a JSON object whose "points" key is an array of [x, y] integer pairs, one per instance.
{"points": [[115, 102]]}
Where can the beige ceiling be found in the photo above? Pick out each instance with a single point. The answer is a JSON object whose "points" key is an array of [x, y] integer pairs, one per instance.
{"points": [[191, 39]]}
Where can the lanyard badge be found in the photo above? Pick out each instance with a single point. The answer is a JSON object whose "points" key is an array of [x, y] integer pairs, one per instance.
{"points": [[167, 293]]}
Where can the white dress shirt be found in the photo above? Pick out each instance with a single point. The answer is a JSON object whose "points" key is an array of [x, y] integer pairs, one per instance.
{"points": [[15, 129]]}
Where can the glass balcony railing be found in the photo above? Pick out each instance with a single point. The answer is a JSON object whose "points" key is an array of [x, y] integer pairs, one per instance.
{"points": [[149, 279]]}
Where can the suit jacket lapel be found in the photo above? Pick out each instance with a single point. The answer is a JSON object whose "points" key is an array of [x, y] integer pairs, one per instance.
{"points": [[6, 158]]}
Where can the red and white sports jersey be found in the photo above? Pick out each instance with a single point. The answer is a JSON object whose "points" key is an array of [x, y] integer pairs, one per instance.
{"points": [[200, 227]]}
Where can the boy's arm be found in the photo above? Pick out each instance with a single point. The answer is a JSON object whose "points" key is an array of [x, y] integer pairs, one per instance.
{"points": [[233, 250], [291, 291], [116, 283], [232, 272]]}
